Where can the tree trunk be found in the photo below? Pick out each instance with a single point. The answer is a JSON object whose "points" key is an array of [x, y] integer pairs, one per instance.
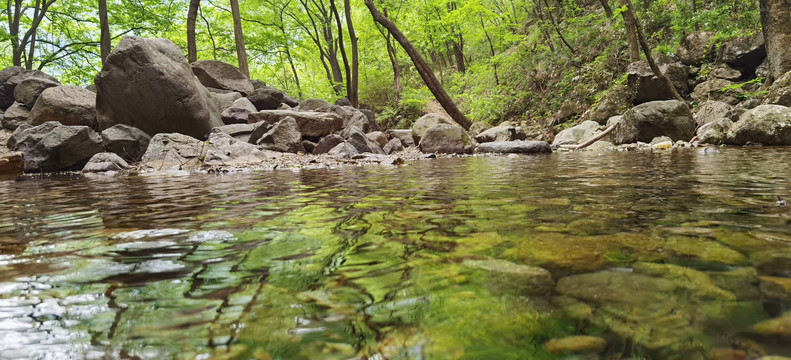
{"points": [[491, 50], [347, 69], [631, 36], [192, 16], [647, 51], [241, 52], [776, 21], [354, 80], [422, 67], [606, 5], [557, 28], [105, 30]]}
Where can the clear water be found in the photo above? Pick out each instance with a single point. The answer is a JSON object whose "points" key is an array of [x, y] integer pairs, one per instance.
{"points": [[661, 255]]}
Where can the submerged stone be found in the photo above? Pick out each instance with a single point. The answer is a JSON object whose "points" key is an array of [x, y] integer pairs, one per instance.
{"points": [[576, 344], [504, 275]]}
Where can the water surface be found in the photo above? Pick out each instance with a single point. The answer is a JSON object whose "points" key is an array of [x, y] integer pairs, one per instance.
{"points": [[662, 255]]}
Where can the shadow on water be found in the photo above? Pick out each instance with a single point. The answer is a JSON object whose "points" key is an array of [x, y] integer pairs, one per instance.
{"points": [[675, 255]]}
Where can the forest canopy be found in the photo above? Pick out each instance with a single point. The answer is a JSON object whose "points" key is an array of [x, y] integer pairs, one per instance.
{"points": [[499, 59]]}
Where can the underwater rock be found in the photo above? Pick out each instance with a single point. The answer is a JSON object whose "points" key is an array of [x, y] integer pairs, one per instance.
{"points": [[576, 344]]}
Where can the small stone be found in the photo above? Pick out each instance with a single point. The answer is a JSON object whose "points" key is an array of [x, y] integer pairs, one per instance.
{"points": [[576, 344], [104, 162], [12, 164], [777, 326]]}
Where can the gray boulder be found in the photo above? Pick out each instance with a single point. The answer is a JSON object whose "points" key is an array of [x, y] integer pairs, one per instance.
{"points": [[379, 137], [446, 139], [283, 137], [613, 103], [577, 134], [269, 98], [125, 141], [744, 54], [355, 120], [104, 162], [311, 124], [653, 119], [404, 135], [13, 76], [363, 144], [766, 124], [718, 90], [515, 147], [224, 100], [219, 75], [644, 86], [478, 127], [16, 115], [238, 112], [173, 152], [327, 143], [779, 91], [393, 146], [343, 150], [239, 132], [146, 83], [222, 150], [425, 122], [28, 91], [69, 105], [319, 105], [713, 110], [696, 48], [55, 147], [502, 132], [715, 132], [725, 72]]}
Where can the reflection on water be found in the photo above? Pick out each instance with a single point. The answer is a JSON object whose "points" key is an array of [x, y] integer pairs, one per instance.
{"points": [[668, 255]]}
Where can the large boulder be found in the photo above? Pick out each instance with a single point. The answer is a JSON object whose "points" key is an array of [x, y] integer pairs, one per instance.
{"points": [[127, 142], [55, 147], [222, 150], [358, 121], [238, 112], [380, 137], [239, 132], [104, 162], [715, 132], [425, 122], [16, 115], [327, 143], [577, 134], [446, 139], [219, 75], [311, 124], [225, 100], [713, 110], [405, 135], [779, 93], [283, 137], [502, 132], [269, 98], [647, 121], [363, 144], [765, 124], [696, 48], [393, 146], [744, 54], [28, 91], [644, 86], [173, 152], [613, 103], [718, 90], [478, 127], [515, 147], [13, 76], [68, 105], [147, 83]]}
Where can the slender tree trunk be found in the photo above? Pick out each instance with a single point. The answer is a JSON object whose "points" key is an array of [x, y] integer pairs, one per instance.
{"points": [[192, 16], [606, 5], [105, 30], [32, 50], [422, 67], [241, 52], [647, 51], [293, 68], [557, 28], [630, 23], [354, 80], [14, 15], [211, 36], [347, 69], [391, 53], [491, 50], [776, 21]]}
